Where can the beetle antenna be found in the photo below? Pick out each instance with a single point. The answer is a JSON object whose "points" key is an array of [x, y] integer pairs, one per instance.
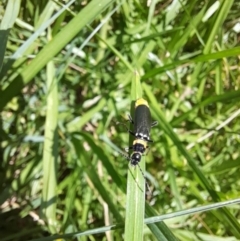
{"points": [[128, 130], [146, 182], [124, 155]]}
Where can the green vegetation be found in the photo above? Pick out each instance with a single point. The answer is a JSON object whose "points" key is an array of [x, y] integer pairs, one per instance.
{"points": [[69, 74]]}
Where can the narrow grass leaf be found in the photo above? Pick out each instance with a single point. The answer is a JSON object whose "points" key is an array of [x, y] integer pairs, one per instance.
{"points": [[192, 211], [10, 14], [50, 151], [6, 24], [135, 206]]}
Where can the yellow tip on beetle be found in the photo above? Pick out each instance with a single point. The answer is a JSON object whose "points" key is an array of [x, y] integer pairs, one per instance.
{"points": [[141, 101]]}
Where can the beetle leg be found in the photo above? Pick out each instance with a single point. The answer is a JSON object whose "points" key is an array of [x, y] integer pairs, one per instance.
{"points": [[130, 119]]}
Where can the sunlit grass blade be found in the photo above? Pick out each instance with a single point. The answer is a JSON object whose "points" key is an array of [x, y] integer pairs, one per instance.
{"points": [[135, 206], [180, 38], [6, 24], [10, 15], [50, 151], [192, 211]]}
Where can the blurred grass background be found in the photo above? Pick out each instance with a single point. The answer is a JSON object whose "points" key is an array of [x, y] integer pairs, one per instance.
{"points": [[65, 82]]}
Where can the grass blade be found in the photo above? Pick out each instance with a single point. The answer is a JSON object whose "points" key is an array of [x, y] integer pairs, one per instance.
{"points": [[7, 22], [50, 151], [135, 207]]}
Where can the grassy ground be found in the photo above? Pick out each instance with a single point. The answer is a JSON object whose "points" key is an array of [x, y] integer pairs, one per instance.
{"points": [[70, 74]]}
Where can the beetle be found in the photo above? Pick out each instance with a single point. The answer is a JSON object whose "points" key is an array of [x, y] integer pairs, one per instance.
{"points": [[142, 126]]}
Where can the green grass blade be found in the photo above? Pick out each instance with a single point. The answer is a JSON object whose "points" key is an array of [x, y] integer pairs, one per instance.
{"points": [[192, 211], [10, 15], [6, 24], [136, 88], [135, 206], [50, 151]]}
